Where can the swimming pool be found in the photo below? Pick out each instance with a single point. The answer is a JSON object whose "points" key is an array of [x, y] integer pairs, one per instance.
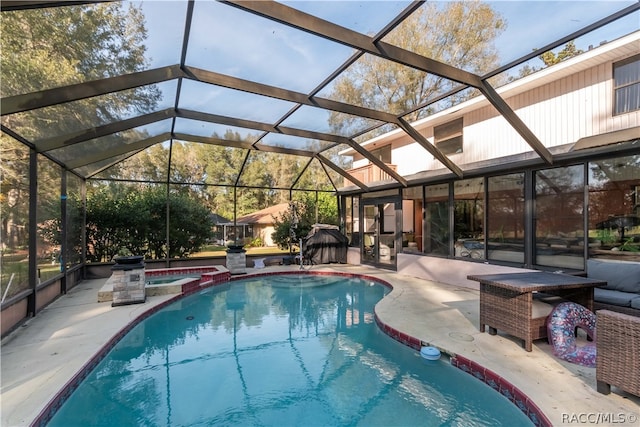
{"points": [[286, 350]]}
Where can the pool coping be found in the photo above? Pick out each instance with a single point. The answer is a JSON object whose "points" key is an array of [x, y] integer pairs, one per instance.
{"points": [[493, 380]]}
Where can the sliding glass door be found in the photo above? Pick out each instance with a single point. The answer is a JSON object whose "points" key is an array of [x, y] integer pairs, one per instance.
{"points": [[381, 225]]}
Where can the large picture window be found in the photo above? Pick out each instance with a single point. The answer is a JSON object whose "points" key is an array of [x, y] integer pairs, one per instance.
{"points": [[412, 219], [437, 230], [468, 229], [383, 154], [626, 81], [505, 218], [614, 208], [559, 217]]}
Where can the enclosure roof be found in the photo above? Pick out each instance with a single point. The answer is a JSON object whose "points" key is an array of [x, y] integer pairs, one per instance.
{"points": [[260, 78]]}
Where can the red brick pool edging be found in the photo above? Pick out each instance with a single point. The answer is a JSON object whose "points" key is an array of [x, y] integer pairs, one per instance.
{"points": [[493, 380], [211, 279]]}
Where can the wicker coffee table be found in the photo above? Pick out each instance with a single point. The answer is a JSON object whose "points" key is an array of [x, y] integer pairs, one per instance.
{"points": [[506, 300]]}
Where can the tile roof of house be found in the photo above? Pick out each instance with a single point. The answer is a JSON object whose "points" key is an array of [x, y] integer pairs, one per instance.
{"points": [[217, 219], [264, 216]]}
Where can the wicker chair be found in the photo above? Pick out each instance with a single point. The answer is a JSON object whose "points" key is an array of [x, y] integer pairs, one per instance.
{"points": [[618, 352]]}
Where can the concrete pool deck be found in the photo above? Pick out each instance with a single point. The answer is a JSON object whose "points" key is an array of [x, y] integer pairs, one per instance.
{"points": [[41, 356]]}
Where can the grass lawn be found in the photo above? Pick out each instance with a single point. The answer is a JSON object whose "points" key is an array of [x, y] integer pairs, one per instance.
{"points": [[17, 272], [213, 250]]}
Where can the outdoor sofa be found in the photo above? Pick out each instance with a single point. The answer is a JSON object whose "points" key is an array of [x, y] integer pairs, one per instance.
{"points": [[622, 293], [617, 350]]}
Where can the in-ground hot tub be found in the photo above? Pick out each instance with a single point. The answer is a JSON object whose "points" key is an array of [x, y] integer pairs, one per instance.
{"points": [[179, 280]]}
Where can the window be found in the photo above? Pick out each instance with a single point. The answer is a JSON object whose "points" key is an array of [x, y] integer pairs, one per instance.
{"points": [[383, 153], [348, 218], [448, 137], [614, 208], [505, 217], [559, 217], [626, 82], [437, 232], [412, 219], [468, 208], [356, 222]]}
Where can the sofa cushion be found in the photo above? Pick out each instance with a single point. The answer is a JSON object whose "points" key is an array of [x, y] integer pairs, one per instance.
{"points": [[621, 276], [540, 309], [635, 303], [609, 296]]}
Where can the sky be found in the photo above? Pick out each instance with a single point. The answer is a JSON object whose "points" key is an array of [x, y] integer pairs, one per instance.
{"points": [[530, 24], [277, 55]]}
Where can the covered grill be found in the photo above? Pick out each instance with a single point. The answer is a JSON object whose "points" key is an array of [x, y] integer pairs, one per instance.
{"points": [[325, 245]]}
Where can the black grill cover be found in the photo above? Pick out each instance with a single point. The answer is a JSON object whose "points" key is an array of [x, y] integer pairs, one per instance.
{"points": [[326, 246]]}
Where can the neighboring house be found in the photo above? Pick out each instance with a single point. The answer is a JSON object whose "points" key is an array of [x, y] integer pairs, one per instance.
{"points": [[513, 205], [219, 229], [262, 222]]}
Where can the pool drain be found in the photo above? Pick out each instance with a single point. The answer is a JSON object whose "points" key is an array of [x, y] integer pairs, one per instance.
{"points": [[190, 317]]}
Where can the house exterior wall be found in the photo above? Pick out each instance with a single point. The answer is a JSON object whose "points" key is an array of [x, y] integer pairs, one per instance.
{"points": [[558, 110], [265, 232], [558, 113], [553, 222]]}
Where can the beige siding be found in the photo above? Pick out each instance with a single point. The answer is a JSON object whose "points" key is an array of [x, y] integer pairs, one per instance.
{"points": [[558, 113]]}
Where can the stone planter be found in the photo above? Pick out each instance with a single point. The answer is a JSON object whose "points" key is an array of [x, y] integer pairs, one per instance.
{"points": [[128, 280], [236, 260]]}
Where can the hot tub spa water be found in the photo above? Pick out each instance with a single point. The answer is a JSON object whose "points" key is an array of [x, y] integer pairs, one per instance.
{"points": [[165, 280]]}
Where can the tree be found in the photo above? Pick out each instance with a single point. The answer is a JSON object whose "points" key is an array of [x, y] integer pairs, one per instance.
{"points": [[569, 51], [58, 46], [103, 224], [189, 225], [296, 223], [459, 33], [133, 218], [549, 58], [148, 165], [53, 47]]}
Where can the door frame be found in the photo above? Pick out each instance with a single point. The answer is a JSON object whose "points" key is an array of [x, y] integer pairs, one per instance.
{"points": [[371, 255]]}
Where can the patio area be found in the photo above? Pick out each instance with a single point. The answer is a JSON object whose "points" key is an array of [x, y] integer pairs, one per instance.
{"points": [[48, 350]]}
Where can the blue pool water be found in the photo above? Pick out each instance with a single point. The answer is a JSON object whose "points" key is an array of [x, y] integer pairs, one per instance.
{"points": [[277, 350]]}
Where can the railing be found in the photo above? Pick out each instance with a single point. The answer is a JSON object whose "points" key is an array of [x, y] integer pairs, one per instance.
{"points": [[370, 173], [15, 310]]}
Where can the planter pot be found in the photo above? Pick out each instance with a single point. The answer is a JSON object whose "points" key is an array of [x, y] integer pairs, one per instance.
{"points": [[131, 259], [132, 262], [235, 249]]}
